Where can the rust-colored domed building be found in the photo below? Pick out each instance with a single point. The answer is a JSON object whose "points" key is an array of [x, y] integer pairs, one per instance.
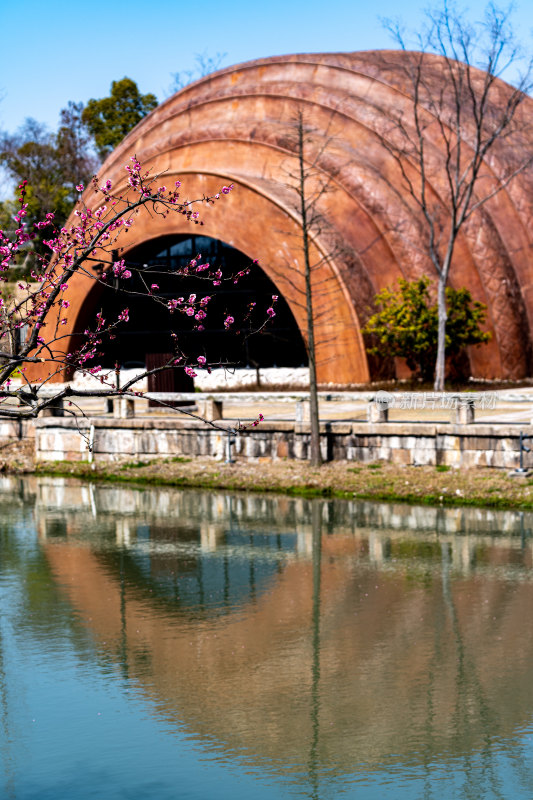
{"points": [[237, 126]]}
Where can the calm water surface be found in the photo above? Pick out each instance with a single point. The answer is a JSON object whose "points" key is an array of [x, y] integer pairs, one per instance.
{"points": [[177, 644]]}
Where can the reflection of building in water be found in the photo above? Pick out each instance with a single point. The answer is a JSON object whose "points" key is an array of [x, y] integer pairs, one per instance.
{"points": [[336, 638]]}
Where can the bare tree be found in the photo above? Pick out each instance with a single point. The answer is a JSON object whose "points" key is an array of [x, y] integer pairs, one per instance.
{"points": [[308, 183], [204, 64], [460, 102]]}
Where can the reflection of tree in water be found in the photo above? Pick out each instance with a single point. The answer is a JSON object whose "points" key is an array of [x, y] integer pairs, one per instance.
{"points": [[357, 645], [469, 689], [314, 770], [5, 722]]}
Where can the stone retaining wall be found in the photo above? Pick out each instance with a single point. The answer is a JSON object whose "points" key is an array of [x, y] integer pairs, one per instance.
{"points": [[64, 438], [11, 429]]}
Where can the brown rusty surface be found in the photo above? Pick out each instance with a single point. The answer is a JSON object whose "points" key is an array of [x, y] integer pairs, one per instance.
{"points": [[235, 127]]}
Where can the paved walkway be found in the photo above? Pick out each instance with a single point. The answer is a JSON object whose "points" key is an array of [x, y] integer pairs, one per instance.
{"points": [[514, 406]]}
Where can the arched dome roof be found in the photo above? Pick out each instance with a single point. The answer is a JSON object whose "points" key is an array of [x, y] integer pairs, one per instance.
{"points": [[237, 126]]}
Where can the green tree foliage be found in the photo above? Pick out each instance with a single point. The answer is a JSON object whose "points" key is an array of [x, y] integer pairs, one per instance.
{"points": [[74, 149], [53, 164], [111, 118], [406, 324], [30, 155]]}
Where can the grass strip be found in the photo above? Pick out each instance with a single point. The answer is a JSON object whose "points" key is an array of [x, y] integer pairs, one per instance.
{"points": [[485, 488]]}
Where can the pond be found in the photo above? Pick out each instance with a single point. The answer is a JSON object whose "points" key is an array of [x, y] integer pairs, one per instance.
{"points": [[157, 643]]}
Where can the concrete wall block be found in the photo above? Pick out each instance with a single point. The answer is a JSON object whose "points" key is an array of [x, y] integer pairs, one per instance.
{"points": [[147, 443], [115, 442], [377, 412], [262, 446], [475, 458], [402, 457], [53, 455], [185, 444], [426, 443], [383, 453], [202, 443], [162, 443], [253, 447], [44, 442], [282, 447], [340, 448], [448, 442], [124, 407], [450, 458], [302, 412], [487, 455], [341, 428], [423, 456], [465, 413], [218, 445], [358, 454], [300, 446], [72, 442], [53, 441], [479, 443], [210, 409], [351, 453], [16, 429], [291, 438], [171, 443], [195, 443], [509, 444], [213, 443]]}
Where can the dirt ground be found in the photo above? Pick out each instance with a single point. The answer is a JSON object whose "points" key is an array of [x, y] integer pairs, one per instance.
{"points": [[17, 456], [378, 481]]}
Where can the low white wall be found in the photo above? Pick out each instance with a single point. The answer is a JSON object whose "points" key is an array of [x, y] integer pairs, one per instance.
{"points": [[218, 380], [222, 380]]}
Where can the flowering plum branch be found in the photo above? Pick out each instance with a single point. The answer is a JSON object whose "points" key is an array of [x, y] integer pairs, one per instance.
{"points": [[34, 323]]}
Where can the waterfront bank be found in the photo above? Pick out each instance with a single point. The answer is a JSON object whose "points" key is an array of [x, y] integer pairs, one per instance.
{"points": [[377, 481], [482, 487]]}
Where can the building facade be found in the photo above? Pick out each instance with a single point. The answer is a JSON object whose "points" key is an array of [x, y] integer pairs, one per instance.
{"points": [[239, 126]]}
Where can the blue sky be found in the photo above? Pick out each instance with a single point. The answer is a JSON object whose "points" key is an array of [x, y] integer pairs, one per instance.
{"points": [[55, 52]]}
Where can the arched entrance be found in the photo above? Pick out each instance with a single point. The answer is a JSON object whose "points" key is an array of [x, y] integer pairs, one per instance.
{"points": [[152, 329]]}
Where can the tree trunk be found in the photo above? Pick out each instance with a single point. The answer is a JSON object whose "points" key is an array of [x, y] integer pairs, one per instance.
{"points": [[314, 419], [315, 455], [440, 366]]}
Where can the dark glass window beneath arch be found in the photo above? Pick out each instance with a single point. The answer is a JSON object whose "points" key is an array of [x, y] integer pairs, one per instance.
{"points": [[151, 326]]}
